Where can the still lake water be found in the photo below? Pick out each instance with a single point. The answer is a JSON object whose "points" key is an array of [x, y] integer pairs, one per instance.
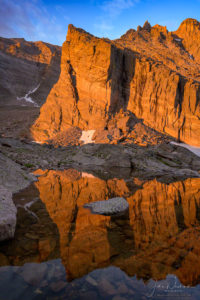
{"points": [[63, 251]]}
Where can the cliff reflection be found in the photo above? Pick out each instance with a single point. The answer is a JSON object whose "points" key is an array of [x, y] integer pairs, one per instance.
{"points": [[160, 234]]}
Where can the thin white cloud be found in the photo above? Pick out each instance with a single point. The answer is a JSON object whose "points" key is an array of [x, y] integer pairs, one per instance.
{"points": [[12, 17], [29, 19], [109, 11], [103, 26], [115, 7]]}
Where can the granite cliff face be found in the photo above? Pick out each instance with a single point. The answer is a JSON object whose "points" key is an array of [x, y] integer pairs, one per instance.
{"points": [[190, 38], [28, 70], [148, 74]]}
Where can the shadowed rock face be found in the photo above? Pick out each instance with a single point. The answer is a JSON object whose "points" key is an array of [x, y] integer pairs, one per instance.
{"points": [[148, 74], [36, 237], [27, 66], [158, 236]]}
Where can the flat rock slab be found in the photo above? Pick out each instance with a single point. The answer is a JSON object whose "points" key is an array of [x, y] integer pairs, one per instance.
{"points": [[12, 177], [8, 214], [108, 207]]}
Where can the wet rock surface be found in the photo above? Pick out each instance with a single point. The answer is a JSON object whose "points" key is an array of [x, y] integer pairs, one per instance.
{"points": [[107, 283]]}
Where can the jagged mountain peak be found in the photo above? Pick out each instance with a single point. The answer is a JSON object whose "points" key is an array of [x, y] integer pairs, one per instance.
{"points": [[189, 32], [150, 73], [147, 26], [189, 24], [74, 32]]}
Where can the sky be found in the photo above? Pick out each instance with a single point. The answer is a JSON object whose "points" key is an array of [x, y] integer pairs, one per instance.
{"points": [[48, 20]]}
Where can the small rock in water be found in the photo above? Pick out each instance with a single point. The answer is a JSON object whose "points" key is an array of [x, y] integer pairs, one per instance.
{"points": [[108, 207], [91, 280], [58, 286], [106, 287], [33, 273]]}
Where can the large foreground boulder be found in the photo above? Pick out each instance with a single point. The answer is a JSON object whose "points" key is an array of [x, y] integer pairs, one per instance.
{"points": [[12, 176], [8, 214]]}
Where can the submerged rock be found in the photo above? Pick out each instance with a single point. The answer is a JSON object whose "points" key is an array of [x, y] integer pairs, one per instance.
{"points": [[108, 207], [8, 214]]}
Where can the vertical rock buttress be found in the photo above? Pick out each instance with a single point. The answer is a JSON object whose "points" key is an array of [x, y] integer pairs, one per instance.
{"points": [[99, 78]]}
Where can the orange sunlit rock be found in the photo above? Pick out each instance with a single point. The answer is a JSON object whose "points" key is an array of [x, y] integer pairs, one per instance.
{"points": [[160, 235], [150, 72]]}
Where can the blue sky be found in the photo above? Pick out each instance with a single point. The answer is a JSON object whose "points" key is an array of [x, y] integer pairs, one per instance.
{"points": [[47, 20]]}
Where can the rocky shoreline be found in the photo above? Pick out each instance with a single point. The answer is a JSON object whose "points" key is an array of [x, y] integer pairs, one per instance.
{"points": [[146, 162], [165, 162]]}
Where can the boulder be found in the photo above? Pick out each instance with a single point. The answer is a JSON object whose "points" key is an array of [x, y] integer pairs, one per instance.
{"points": [[8, 214], [12, 176], [108, 207]]}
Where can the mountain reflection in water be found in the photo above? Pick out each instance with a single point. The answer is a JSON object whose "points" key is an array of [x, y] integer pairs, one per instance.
{"points": [[159, 235]]}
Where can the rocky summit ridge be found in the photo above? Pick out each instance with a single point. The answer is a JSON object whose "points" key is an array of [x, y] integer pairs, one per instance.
{"points": [[148, 76]]}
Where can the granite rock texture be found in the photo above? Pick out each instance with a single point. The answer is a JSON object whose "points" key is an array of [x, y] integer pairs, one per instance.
{"points": [[12, 176], [8, 213], [150, 75]]}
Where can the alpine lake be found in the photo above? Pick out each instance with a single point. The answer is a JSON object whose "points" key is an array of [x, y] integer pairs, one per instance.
{"points": [[61, 250]]}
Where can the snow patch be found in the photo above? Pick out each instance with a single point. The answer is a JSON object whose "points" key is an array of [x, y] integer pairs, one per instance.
{"points": [[87, 175], [27, 97], [86, 136], [178, 40], [37, 142], [195, 150]]}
